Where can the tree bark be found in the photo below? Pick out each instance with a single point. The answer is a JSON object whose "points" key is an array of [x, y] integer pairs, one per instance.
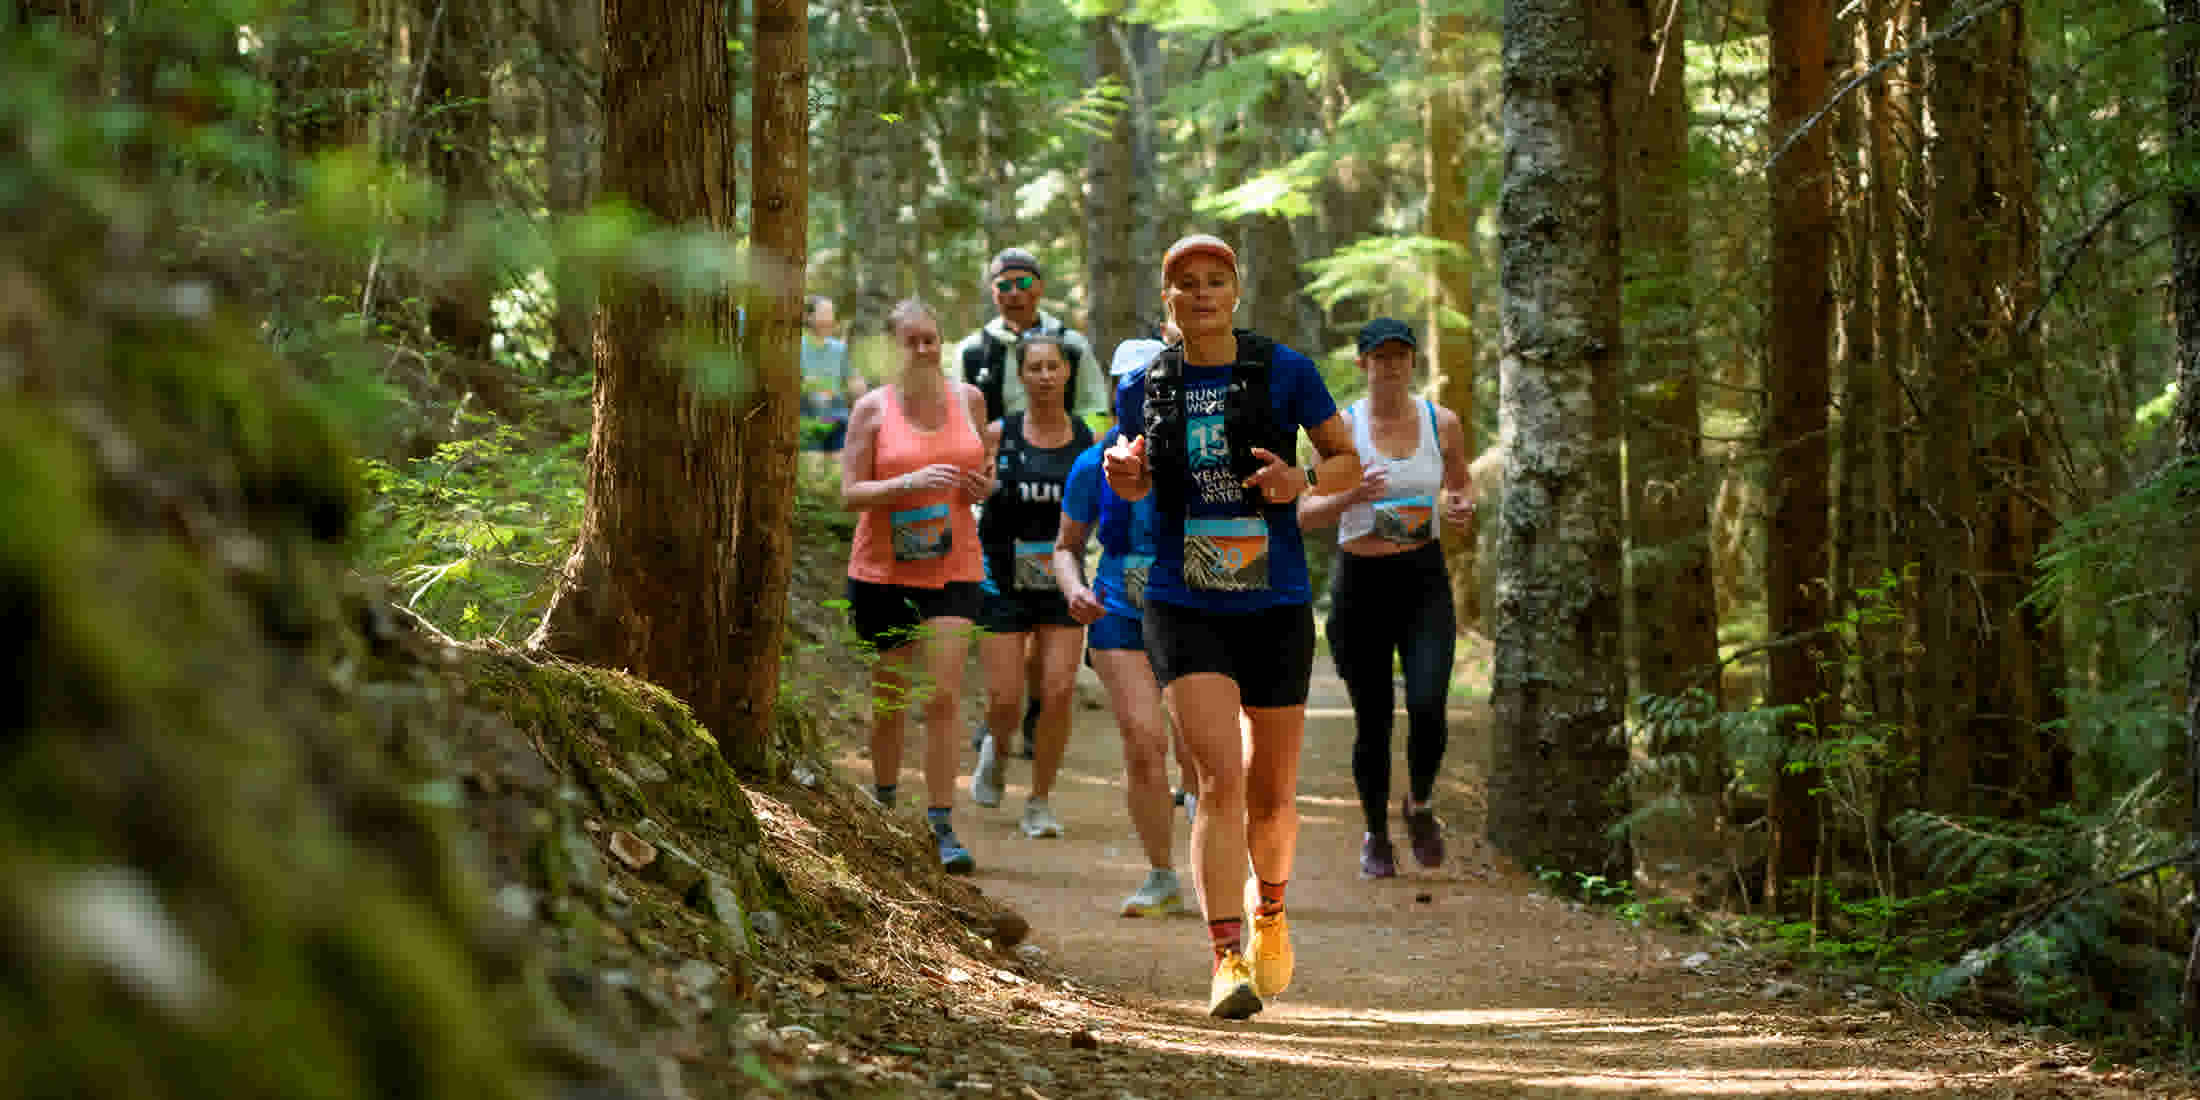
{"points": [[1449, 342], [1271, 260], [1668, 498], [456, 52], [650, 587], [2183, 47], [1672, 613], [1557, 686], [763, 560], [1987, 748], [1111, 179], [1797, 383], [573, 135]]}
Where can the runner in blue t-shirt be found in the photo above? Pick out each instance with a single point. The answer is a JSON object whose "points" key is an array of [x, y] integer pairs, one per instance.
{"points": [[1113, 607], [1228, 624]]}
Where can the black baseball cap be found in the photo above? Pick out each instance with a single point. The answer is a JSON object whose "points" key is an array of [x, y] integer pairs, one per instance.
{"points": [[1383, 329]]}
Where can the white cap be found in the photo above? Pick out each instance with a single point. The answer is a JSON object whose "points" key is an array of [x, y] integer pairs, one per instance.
{"points": [[1133, 354]]}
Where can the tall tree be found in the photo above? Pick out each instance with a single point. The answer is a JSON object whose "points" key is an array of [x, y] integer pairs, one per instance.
{"points": [[573, 139], [455, 50], [1450, 331], [1798, 394], [779, 215], [1272, 255], [1675, 616], [1111, 182], [2183, 40], [1989, 745], [650, 586], [1557, 687]]}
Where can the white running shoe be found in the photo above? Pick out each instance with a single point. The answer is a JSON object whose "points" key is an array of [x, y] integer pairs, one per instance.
{"points": [[985, 779], [1158, 896], [1039, 820]]}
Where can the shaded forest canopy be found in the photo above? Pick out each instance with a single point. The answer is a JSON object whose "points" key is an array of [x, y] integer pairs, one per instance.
{"points": [[300, 299]]}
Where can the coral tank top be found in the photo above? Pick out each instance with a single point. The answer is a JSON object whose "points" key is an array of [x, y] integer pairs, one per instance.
{"points": [[922, 540]]}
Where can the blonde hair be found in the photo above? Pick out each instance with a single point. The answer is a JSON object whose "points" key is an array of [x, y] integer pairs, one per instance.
{"points": [[907, 310]]}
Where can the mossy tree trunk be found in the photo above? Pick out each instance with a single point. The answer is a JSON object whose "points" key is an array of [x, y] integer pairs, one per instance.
{"points": [[779, 160], [1557, 686], [651, 586]]}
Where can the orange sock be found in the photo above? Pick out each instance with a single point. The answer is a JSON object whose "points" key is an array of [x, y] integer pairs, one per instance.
{"points": [[1228, 935], [1271, 898]]}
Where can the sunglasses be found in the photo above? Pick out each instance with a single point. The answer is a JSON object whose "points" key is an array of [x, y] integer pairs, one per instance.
{"points": [[1020, 282]]}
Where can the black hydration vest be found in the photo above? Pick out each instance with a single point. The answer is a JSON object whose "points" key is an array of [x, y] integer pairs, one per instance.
{"points": [[985, 365], [1026, 504], [1248, 421]]}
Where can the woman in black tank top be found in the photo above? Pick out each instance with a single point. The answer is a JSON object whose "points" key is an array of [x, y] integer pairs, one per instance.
{"points": [[1029, 632]]}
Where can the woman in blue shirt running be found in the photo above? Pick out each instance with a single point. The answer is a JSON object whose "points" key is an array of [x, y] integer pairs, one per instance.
{"points": [[1211, 429]]}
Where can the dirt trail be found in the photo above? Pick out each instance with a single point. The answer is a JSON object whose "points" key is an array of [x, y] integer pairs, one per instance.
{"points": [[1457, 981]]}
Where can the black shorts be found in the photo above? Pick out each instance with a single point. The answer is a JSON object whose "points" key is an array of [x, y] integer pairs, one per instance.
{"points": [[1021, 612], [887, 616], [1269, 653]]}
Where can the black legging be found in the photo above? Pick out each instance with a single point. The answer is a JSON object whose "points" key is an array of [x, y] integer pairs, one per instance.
{"points": [[1379, 606]]}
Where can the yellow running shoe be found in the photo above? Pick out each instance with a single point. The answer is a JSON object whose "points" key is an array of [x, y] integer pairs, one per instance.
{"points": [[1269, 943], [1232, 997]]}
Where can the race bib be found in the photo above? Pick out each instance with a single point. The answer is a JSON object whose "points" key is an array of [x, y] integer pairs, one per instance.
{"points": [[1406, 519], [1034, 569], [922, 534], [1136, 568], [1226, 555]]}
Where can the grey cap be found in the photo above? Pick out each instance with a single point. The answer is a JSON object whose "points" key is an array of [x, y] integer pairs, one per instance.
{"points": [[1012, 259]]}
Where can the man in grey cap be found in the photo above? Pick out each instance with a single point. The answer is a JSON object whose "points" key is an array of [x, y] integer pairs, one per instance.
{"points": [[1016, 284]]}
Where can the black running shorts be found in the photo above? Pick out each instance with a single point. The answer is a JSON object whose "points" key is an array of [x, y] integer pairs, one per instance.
{"points": [[1269, 653], [1023, 612], [888, 616]]}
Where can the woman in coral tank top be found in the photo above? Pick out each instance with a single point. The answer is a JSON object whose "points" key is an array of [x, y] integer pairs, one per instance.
{"points": [[915, 462]]}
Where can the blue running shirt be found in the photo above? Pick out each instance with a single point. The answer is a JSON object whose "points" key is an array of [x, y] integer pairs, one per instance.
{"points": [[1124, 531], [1212, 495]]}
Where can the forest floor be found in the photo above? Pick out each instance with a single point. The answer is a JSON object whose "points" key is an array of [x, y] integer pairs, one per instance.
{"points": [[1462, 980]]}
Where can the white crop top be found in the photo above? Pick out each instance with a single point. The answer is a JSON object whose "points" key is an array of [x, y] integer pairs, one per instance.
{"points": [[1408, 512]]}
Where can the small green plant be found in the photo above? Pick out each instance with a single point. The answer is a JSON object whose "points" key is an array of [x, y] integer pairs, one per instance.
{"points": [[474, 532]]}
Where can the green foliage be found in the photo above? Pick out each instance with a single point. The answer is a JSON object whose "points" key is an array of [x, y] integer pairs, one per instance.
{"points": [[2070, 916], [475, 532]]}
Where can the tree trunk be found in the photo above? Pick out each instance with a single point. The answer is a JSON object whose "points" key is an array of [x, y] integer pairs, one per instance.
{"points": [[1449, 337], [1874, 414], [573, 134], [1557, 686], [1271, 256], [1987, 749], [322, 73], [2020, 711], [763, 559], [650, 588], [1111, 175], [868, 194], [1146, 88], [457, 54], [2183, 41], [1672, 612], [1797, 383]]}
